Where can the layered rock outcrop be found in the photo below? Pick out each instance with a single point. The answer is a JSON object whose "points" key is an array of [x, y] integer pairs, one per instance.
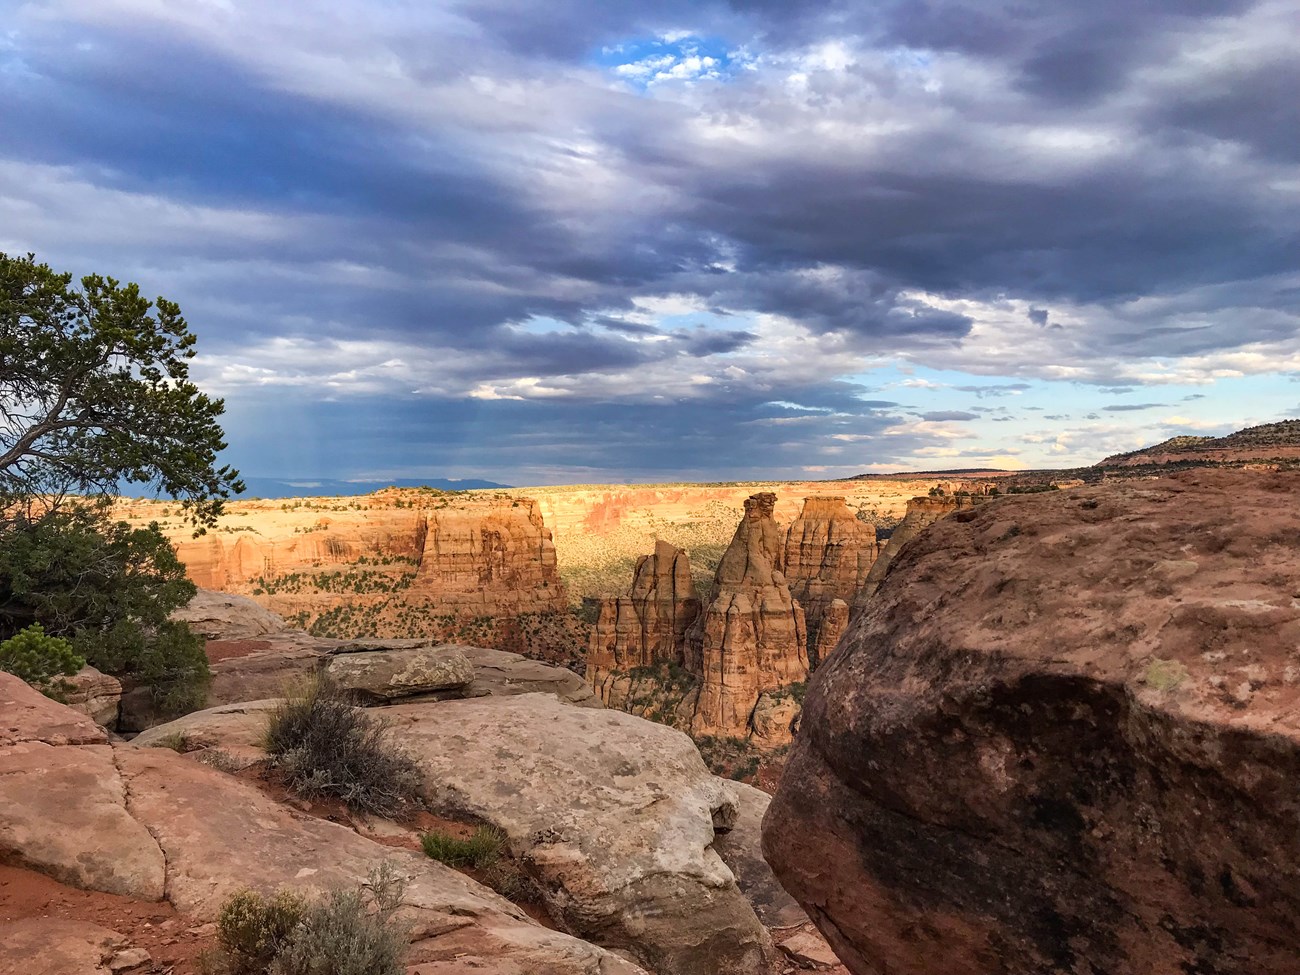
{"points": [[921, 514], [494, 558], [828, 553], [751, 637], [1063, 738], [650, 623]]}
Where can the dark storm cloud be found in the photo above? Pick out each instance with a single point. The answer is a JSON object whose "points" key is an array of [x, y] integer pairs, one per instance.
{"points": [[1004, 389], [477, 188], [940, 416]]}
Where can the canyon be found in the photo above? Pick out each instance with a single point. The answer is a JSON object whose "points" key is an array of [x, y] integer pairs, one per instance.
{"points": [[1021, 730]]}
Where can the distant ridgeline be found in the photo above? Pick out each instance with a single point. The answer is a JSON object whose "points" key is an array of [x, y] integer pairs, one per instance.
{"points": [[277, 487], [1267, 442]]}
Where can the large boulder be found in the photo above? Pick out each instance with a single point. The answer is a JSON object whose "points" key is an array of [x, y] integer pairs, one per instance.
{"points": [[498, 673], [615, 818], [1063, 738], [381, 670], [63, 804], [224, 616], [94, 694], [213, 834]]}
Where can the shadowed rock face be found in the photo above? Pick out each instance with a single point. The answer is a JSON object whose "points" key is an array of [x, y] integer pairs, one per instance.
{"points": [[751, 636], [828, 553], [650, 623], [1063, 738]]}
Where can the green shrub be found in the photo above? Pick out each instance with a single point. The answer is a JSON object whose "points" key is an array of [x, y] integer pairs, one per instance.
{"points": [[328, 748], [342, 934], [177, 741], [347, 932], [480, 850], [107, 588], [40, 660], [253, 929]]}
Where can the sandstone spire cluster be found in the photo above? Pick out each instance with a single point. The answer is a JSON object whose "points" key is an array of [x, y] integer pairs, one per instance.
{"points": [[828, 553], [649, 624], [751, 637]]}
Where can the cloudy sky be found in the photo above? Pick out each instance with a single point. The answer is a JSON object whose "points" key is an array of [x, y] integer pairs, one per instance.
{"points": [[603, 240]]}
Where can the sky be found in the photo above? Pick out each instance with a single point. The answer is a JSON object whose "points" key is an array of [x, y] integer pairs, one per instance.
{"points": [[593, 241]]}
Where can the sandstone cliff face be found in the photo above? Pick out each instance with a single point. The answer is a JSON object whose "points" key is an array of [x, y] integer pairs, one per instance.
{"points": [[1063, 738], [494, 558], [474, 555], [921, 514], [650, 623], [751, 636], [828, 554]]}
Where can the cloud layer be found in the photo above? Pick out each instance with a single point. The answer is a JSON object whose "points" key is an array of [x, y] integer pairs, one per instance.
{"points": [[617, 239]]}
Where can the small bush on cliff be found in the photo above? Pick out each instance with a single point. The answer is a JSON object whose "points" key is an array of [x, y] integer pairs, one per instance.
{"points": [[328, 748], [40, 660], [347, 932], [253, 929]]}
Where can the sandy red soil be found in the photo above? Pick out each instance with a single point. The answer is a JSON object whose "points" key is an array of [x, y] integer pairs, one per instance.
{"points": [[173, 943]]}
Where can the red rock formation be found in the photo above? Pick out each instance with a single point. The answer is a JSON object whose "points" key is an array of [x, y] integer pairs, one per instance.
{"points": [[828, 553], [650, 623], [1063, 738], [496, 557], [477, 555], [751, 637], [921, 514], [834, 621]]}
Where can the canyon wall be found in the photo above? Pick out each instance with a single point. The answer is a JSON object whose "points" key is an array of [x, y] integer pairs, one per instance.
{"points": [[493, 558], [751, 637], [828, 553], [471, 555]]}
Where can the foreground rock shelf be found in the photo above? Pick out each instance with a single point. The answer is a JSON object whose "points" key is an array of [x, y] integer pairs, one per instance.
{"points": [[160, 826], [1063, 737]]}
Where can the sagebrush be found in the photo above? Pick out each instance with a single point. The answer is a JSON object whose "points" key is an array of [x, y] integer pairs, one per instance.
{"points": [[328, 748]]}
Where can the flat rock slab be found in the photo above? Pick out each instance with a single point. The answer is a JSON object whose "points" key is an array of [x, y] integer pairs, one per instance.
{"points": [[63, 811], [385, 673], [240, 726], [613, 815], [28, 715]]}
